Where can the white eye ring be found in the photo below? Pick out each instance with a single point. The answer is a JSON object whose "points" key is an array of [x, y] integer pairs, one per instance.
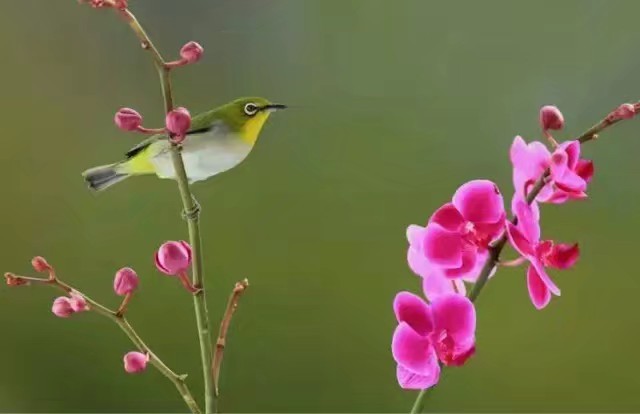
{"points": [[251, 109]]}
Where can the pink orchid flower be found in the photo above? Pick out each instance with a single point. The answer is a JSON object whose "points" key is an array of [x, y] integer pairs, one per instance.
{"points": [[569, 173], [443, 331], [434, 282], [454, 242], [525, 238]]}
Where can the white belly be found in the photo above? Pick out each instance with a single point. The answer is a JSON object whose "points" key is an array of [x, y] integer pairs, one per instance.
{"points": [[204, 156]]}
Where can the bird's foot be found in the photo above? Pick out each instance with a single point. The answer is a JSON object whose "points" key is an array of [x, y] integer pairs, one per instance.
{"points": [[194, 213]]}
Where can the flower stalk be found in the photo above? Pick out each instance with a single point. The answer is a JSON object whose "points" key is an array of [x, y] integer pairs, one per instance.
{"points": [[496, 248], [191, 212]]}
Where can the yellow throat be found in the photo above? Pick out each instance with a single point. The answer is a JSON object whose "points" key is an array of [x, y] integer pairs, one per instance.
{"points": [[250, 131]]}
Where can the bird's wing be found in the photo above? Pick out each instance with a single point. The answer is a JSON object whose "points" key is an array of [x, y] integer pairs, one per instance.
{"points": [[142, 145], [204, 122]]}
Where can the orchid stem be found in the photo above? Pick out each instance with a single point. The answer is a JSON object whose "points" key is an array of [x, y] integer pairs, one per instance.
{"points": [[121, 321], [417, 405], [496, 249], [192, 214]]}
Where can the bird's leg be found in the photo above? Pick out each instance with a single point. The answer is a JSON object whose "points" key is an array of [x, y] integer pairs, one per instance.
{"points": [[194, 212]]}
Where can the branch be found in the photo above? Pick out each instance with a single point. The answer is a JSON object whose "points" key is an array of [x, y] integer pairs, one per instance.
{"points": [[121, 321], [232, 304], [191, 212]]}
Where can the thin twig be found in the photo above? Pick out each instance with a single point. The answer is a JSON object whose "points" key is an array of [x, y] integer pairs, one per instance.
{"points": [[121, 321], [232, 304]]}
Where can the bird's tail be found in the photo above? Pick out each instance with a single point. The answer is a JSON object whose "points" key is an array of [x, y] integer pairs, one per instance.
{"points": [[104, 176]]}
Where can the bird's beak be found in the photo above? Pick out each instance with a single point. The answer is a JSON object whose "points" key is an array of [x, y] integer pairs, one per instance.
{"points": [[273, 107]]}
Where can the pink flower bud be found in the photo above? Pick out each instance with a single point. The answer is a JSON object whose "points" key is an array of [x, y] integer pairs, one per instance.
{"points": [[78, 302], [178, 121], [625, 111], [125, 282], [551, 118], [62, 307], [135, 362], [40, 264], [128, 119], [173, 257], [191, 52]]}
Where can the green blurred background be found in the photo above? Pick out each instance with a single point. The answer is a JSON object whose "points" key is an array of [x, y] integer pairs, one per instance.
{"points": [[394, 104]]}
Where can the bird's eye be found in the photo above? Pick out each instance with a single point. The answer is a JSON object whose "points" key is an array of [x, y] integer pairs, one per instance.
{"points": [[250, 109]]}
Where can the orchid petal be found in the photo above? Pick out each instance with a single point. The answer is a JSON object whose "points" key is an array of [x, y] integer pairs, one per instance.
{"points": [[572, 149], [481, 260], [528, 220], [491, 231], [456, 315], [448, 217], [542, 273], [415, 234], [570, 182], [412, 350], [563, 256], [469, 258], [479, 201], [585, 169], [442, 247], [436, 285], [418, 263], [409, 380], [414, 311], [538, 291], [559, 164], [519, 241]]}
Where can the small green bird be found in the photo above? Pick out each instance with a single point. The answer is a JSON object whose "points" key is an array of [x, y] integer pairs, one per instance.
{"points": [[217, 141]]}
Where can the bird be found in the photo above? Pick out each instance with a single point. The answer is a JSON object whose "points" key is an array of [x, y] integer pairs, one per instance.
{"points": [[217, 141]]}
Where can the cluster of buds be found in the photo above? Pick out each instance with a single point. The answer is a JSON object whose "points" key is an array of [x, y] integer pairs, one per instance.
{"points": [[65, 306], [178, 120], [172, 258], [177, 123]]}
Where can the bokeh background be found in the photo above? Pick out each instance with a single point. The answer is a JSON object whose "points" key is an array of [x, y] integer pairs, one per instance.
{"points": [[394, 105]]}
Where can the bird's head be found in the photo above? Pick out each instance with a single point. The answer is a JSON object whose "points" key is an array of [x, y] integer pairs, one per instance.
{"points": [[248, 115]]}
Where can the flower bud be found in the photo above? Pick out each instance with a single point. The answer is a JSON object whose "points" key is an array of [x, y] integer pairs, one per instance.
{"points": [[178, 122], [551, 118], [78, 302], [173, 257], [191, 52], [625, 111], [125, 282], [62, 307], [40, 264], [135, 362], [128, 119]]}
